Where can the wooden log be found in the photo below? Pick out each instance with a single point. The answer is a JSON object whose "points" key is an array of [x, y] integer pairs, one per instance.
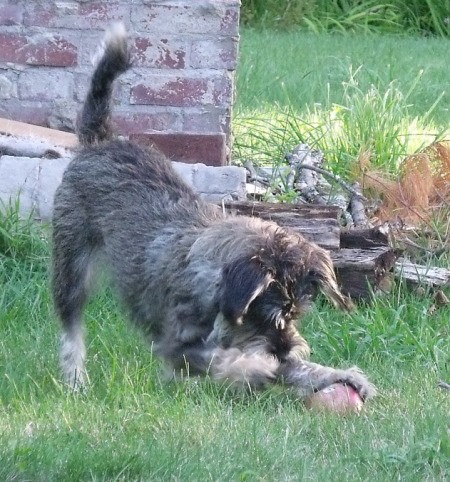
{"points": [[361, 272], [416, 274], [317, 223], [299, 211], [364, 238], [357, 208]]}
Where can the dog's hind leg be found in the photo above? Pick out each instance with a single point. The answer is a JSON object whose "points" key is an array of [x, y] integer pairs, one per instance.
{"points": [[72, 258]]}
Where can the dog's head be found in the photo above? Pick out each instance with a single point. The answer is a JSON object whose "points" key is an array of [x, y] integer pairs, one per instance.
{"points": [[274, 284]]}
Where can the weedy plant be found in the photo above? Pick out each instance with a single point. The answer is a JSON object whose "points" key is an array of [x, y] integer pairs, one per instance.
{"points": [[19, 234], [376, 119]]}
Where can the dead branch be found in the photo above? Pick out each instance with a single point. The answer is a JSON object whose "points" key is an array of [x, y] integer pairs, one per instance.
{"points": [[338, 179], [357, 208]]}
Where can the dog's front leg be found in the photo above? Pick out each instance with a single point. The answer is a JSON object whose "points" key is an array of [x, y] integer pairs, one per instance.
{"points": [[250, 369], [240, 369], [307, 377]]}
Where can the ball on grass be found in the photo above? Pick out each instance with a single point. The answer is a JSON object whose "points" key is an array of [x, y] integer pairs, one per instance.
{"points": [[337, 398]]}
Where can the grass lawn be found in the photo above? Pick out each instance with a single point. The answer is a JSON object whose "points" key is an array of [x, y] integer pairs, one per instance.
{"points": [[299, 70], [343, 94], [132, 425]]}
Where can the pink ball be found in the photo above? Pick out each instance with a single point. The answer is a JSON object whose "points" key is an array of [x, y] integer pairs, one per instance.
{"points": [[337, 398]]}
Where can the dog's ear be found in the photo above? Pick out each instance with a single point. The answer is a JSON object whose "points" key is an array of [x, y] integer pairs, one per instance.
{"points": [[242, 281], [323, 275]]}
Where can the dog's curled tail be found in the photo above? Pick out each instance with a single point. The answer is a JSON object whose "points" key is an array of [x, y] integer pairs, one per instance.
{"points": [[112, 60]]}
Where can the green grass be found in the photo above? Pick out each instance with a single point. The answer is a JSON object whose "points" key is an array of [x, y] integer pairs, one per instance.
{"points": [[133, 425], [300, 70]]}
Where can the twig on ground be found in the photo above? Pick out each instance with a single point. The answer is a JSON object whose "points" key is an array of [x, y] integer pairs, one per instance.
{"points": [[253, 175], [303, 155], [335, 178], [250, 169], [444, 385]]}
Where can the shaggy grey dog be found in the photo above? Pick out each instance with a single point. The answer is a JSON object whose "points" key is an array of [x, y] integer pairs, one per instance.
{"points": [[215, 294]]}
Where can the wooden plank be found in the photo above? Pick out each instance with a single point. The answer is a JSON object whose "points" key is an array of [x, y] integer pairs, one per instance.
{"points": [[317, 223], [297, 211], [323, 232], [416, 274], [22, 129]]}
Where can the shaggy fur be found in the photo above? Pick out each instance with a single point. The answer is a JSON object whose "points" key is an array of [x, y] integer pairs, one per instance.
{"points": [[215, 294]]}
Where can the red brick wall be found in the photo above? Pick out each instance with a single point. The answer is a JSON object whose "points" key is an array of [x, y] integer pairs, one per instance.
{"points": [[184, 55]]}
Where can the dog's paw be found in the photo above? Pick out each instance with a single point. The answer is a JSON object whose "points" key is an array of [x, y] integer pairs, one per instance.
{"points": [[356, 379]]}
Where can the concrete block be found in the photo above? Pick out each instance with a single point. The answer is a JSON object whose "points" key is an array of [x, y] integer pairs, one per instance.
{"points": [[216, 183], [186, 171], [36, 180], [19, 177], [49, 179]]}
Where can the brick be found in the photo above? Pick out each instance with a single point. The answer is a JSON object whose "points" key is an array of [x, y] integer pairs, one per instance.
{"points": [[206, 119], [64, 114], [40, 49], [182, 91], [81, 83], [45, 85], [128, 122], [11, 14], [214, 54], [75, 15], [19, 178], [230, 22], [187, 147], [147, 51], [206, 17], [36, 113]]}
